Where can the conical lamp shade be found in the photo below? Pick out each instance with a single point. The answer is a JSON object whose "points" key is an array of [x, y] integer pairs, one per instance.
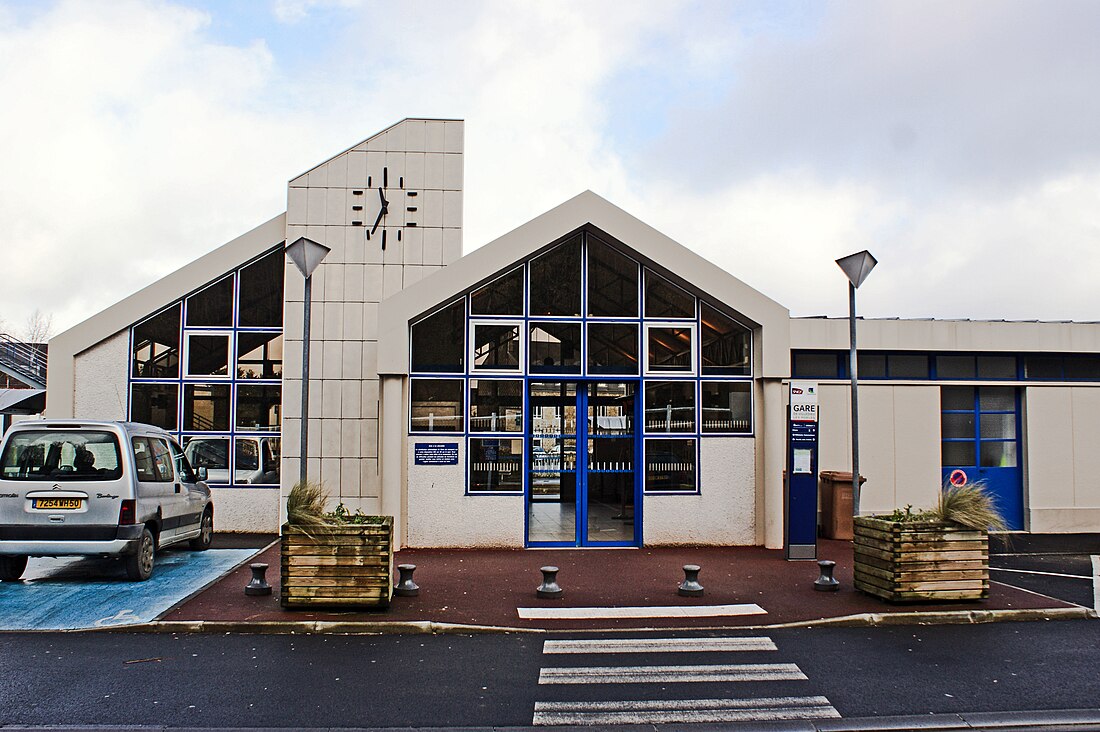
{"points": [[857, 266]]}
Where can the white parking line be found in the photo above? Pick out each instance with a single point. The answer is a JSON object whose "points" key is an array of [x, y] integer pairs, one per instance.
{"points": [[697, 711], [671, 674], [1096, 583], [658, 645], [1035, 571], [675, 611]]}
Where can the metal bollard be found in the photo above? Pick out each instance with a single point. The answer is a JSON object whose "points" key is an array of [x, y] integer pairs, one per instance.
{"points": [[826, 582], [549, 589], [405, 585], [690, 587], [258, 585]]}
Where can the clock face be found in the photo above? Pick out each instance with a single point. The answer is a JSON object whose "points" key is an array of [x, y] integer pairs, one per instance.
{"points": [[385, 202]]}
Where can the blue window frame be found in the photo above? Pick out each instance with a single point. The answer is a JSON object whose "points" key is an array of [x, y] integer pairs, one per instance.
{"points": [[555, 331], [208, 369]]}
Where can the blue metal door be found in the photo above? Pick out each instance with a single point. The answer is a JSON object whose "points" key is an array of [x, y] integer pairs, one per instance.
{"points": [[980, 432], [582, 487]]}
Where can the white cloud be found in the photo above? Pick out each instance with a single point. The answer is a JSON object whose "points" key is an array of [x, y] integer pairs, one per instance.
{"points": [[955, 142]]}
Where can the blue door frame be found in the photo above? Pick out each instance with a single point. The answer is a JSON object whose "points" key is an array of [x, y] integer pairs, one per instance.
{"points": [[993, 459], [581, 501]]}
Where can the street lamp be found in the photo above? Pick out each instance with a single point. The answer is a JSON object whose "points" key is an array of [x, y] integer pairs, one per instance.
{"points": [[306, 255], [856, 267]]}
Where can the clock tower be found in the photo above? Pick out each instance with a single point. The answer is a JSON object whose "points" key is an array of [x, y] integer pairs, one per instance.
{"points": [[390, 210]]}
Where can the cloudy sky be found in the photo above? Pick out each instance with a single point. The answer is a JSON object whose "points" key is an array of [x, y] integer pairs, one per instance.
{"points": [[959, 142]]}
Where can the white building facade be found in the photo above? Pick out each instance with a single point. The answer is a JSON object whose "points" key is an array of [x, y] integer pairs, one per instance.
{"points": [[582, 381]]}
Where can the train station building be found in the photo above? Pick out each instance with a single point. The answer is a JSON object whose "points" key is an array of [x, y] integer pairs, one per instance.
{"points": [[583, 380]]}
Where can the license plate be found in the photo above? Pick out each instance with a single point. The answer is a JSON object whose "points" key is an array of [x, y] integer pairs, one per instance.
{"points": [[63, 504]]}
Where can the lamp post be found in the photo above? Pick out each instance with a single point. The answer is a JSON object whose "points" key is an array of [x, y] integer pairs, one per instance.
{"points": [[306, 255], [856, 267]]}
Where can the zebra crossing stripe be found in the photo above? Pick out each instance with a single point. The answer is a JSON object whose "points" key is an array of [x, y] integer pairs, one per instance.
{"points": [[697, 711], [671, 674], [658, 645]]}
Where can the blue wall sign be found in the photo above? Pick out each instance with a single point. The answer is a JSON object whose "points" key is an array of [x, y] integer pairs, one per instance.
{"points": [[800, 504], [435, 453]]}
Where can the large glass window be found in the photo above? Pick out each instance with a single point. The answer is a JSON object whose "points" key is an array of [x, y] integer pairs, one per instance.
{"points": [[256, 460], [438, 345], [502, 296], [156, 346], [612, 282], [260, 301], [496, 405], [211, 453], [727, 406], [206, 407], [670, 406], [555, 348], [556, 281], [228, 338], [496, 346], [670, 348], [726, 344], [155, 404], [208, 354], [612, 348], [496, 465], [258, 407], [665, 300], [670, 465], [259, 355], [436, 405], [212, 306]]}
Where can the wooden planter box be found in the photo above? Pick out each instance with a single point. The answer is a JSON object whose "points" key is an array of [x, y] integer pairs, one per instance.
{"points": [[347, 566], [920, 561]]}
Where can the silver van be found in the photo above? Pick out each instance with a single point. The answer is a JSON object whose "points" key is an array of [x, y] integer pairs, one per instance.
{"points": [[115, 489]]}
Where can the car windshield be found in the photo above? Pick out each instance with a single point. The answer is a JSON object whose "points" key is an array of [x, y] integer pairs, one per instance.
{"points": [[61, 455]]}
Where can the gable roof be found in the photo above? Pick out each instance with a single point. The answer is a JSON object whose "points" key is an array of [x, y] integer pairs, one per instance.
{"points": [[147, 301], [770, 320]]}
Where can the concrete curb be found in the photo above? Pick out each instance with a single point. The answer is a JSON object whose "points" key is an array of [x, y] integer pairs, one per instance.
{"points": [[414, 627]]}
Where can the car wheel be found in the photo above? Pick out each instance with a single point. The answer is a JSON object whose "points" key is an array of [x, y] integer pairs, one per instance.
{"points": [[206, 532], [139, 565], [12, 567]]}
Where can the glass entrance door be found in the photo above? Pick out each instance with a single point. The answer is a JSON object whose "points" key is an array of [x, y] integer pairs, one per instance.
{"points": [[581, 481]]}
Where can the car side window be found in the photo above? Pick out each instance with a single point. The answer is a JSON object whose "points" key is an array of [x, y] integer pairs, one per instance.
{"points": [[162, 461], [143, 459], [187, 475]]}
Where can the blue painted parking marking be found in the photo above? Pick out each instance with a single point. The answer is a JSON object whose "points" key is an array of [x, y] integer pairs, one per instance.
{"points": [[71, 593]]}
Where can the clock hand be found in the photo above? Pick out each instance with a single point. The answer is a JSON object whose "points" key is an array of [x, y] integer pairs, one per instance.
{"points": [[381, 212]]}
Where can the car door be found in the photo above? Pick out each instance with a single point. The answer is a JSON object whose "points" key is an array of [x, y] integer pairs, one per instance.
{"points": [[155, 486], [194, 495]]}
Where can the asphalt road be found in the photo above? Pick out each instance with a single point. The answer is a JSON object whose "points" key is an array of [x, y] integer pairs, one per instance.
{"points": [[493, 680]]}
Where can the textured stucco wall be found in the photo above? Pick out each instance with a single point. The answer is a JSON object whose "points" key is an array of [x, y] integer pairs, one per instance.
{"points": [[253, 510], [100, 376], [723, 513], [440, 515]]}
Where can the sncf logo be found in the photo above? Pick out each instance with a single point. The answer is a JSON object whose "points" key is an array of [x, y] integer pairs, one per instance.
{"points": [[795, 390]]}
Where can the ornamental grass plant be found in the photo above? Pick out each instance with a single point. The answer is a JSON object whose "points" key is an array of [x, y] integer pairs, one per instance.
{"points": [[305, 508], [969, 505]]}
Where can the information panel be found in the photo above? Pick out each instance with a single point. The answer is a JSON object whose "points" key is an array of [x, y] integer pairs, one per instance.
{"points": [[435, 453], [800, 502]]}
